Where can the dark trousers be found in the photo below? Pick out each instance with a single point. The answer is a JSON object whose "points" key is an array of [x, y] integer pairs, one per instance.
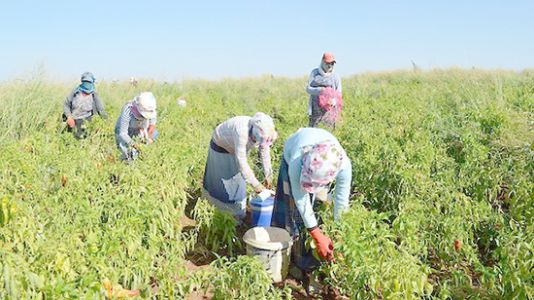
{"points": [[287, 216], [80, 128]]}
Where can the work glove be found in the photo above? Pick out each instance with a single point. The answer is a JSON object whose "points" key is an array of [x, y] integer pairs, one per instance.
{"points": [[70, 122], [324, 246]]}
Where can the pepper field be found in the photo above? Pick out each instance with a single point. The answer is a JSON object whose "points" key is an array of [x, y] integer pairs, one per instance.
{"points": [[442, 202]]}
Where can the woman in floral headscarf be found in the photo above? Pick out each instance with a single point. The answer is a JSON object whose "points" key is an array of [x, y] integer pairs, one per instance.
{"points": [[227, 170], [312, 160]]}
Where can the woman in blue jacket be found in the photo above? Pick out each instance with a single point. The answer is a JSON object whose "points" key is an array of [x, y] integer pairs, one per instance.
{"points": [[312, 160]]}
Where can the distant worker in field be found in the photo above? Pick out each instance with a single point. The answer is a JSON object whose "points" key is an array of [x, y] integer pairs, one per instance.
{"points": [[133, 82], [227, 170], [136, 125], [312, 159], [81, 104], [324, 87]]}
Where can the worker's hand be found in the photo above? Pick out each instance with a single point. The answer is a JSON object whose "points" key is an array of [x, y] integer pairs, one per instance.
{"points": [[136, 147], [258, 189], [149, 141], [268, 184], [70, 122], [150, 130], [324, 246]]}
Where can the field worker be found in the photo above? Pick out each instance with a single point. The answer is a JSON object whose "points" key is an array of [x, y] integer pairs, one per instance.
{"points": [[320, 79], [137, 123], [81, 104], [312, 160], [227, 170]]}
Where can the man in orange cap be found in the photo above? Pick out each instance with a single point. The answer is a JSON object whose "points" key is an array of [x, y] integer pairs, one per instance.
{"points": [[321, 78]]}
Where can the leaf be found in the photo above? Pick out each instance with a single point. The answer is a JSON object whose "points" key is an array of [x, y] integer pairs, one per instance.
{"points": [[124, 293], [35, 280]]}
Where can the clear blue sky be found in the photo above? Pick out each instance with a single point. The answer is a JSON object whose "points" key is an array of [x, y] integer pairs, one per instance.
{"points": [[173, 40]]}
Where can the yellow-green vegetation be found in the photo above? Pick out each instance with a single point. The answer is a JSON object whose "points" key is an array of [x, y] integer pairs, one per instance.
{"points": [[442, 202], [238, 278]]}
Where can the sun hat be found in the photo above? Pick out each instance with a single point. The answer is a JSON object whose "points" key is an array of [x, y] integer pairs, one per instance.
{"points": [[146, 105], [88, 77]]}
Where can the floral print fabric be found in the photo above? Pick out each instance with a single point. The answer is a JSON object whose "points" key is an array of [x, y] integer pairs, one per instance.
{"points": [[320, 165]]}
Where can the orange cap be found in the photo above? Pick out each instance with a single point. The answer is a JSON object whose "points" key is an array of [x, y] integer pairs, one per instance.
{"points": [[328, 57]]}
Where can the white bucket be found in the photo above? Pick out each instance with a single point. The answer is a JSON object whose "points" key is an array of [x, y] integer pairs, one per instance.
{"points": [[272, 246]]}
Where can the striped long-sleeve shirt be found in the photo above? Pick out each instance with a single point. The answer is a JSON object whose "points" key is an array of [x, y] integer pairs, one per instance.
{"points": [[128, 125], [233, 136]]}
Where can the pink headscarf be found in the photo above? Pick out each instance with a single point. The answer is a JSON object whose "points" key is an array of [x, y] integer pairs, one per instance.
{"points": [[320, 166]]}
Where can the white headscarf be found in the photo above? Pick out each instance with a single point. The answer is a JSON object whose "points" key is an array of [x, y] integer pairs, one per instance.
{"points": [[263, 129]]}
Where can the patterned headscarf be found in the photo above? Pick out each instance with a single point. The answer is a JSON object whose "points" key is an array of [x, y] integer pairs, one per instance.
{"points": [[263, 129], [320, 165]]}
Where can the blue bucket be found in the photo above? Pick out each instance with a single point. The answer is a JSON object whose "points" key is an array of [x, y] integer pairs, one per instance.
{"points": [[262, 211]]}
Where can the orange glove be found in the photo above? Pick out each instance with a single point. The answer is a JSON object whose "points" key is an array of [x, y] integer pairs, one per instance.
{"points": [[70, 122], [324, 246]]}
